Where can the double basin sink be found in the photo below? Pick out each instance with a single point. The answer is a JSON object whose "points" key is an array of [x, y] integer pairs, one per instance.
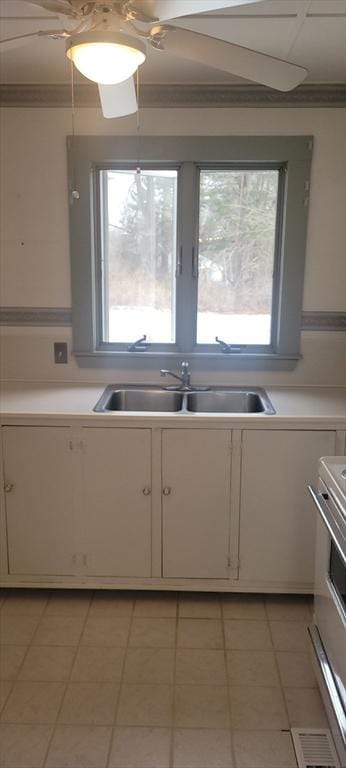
{"points": [[158, 400]]}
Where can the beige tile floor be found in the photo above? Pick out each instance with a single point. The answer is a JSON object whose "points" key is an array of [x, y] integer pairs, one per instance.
{"points": [[153, 680]]}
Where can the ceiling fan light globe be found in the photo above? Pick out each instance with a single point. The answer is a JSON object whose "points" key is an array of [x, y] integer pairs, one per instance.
{"points": [[107, 58]]}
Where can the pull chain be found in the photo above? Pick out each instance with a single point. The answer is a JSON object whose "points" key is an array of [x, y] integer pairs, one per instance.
{"points": [[138, 125], [74, 193]]}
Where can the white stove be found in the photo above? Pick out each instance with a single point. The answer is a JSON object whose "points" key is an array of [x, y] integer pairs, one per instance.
{"points": [[328, 633]]}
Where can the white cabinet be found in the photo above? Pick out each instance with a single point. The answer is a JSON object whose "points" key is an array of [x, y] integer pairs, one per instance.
{"points": [[196, 473], [277, 520], [78, 502], [105, 504], [40, 518], [116, 501]]}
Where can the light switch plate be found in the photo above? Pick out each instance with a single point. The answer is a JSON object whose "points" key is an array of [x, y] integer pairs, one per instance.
{"points": [[60, 352]]}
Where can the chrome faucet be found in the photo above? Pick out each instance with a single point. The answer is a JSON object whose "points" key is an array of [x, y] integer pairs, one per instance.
{"points": [[184, 378]]}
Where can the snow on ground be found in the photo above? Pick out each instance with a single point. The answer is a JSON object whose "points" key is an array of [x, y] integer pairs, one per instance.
{"points": [[127, 324]]}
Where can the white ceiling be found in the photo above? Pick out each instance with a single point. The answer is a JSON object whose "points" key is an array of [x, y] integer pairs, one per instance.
{"points": [[311, 33]]}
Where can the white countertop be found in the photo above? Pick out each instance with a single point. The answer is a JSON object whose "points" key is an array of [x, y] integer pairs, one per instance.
{"points": [[69, 401]]}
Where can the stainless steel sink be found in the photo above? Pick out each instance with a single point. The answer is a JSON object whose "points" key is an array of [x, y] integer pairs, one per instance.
{"points": [[154, 400], [229, 401]]}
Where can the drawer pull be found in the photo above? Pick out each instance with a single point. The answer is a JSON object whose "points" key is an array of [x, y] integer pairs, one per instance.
{"points": [[146, 491], [166, 491], [8, 487]]}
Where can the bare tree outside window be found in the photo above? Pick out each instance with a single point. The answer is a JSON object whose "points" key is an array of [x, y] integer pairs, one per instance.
{"points": [[237, 223], [140, 254]]}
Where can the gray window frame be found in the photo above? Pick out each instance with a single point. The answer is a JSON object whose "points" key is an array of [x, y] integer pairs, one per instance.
{"points": [[88, 154]]}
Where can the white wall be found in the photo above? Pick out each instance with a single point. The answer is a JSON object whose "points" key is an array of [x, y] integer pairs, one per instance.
{"points": [[34, 224]]}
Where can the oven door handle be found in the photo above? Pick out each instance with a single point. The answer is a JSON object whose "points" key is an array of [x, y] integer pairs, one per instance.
{"points": [[320, 503], [329, 681]]}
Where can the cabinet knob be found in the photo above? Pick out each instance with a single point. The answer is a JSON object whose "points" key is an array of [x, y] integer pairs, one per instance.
{"points": [[8, 487], [166, 491], [146, 491]]}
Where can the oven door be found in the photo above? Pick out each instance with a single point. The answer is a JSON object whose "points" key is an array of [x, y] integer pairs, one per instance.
{"points": [[330, 598]]}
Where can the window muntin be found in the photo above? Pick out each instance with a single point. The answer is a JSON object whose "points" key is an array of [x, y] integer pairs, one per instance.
{"points": [[138, 213], [237, 239]]}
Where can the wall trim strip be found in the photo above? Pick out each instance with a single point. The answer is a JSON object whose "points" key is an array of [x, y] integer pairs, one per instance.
{"points": [[62, 316], [178, 95], [323, 321], [31, 316]]}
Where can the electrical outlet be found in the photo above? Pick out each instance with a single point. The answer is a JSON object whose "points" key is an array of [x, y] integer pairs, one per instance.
{"points": [[60, 352]]}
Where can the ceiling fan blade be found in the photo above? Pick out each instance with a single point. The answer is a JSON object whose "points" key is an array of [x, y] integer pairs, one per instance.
{"points": [[16, 42], [19, 40], [228, 57], [55, 6], [118, 100], [173, 9]]}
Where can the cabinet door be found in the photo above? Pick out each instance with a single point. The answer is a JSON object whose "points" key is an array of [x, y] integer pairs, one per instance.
{"points": [[116, 509], [39, 500], [196, 509], [277, 517]]}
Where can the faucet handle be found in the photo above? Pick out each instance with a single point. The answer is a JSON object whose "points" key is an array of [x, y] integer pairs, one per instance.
{"points": [[185, 374]]}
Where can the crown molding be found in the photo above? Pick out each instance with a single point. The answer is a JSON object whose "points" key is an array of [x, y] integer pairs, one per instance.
{"points": [[178, 95], [62, 316]]}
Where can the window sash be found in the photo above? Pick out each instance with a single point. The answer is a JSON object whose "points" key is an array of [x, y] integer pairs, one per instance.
{"points": [[101, 263], [238, 166], [146, 279]]}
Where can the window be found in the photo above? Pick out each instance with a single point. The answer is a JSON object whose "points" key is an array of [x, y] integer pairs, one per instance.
{"points": [[138, 215], [236, 251], [198, 247]]}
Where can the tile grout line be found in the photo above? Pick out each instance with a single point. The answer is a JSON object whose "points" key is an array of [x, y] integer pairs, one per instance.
{"points": [[232, 746], [173, 712], [29, 645], [280, 681], [121, 682], [68, 680], [12, 682]]}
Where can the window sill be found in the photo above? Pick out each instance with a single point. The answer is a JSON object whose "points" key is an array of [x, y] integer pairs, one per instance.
{"points": [[202, 360]]}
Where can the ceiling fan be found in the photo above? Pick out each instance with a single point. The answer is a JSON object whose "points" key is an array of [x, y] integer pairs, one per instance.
{"points": [[108, 46]]}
